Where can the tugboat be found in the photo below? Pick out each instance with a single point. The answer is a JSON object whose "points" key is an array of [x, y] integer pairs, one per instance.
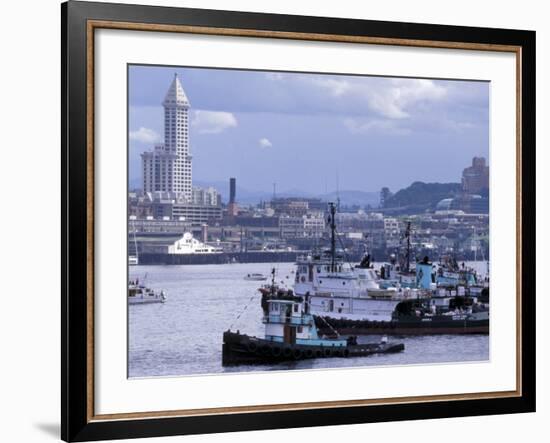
{"points": [[139, 294], [291, 334], [450, 276]]}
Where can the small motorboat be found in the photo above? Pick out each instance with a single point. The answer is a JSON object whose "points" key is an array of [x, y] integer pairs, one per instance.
{"points": [[139, 294], [255, 277]]}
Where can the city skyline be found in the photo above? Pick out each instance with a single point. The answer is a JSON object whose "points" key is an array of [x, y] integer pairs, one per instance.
{"points": [[314, 132]]}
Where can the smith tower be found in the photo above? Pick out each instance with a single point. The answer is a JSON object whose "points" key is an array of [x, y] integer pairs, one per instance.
{"points": [[168, 166], [176, 135]]}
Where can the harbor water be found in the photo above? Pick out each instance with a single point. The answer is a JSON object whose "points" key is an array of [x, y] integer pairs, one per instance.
{"points": [[184, 335]]}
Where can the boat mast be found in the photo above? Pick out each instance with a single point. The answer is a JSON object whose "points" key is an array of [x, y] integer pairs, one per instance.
{"points": [[273, 281], [408, 236], [332, 209], [135, 241], [475, 242]]}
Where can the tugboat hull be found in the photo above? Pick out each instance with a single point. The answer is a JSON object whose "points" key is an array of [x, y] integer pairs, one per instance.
{"points": [[243, 349]]}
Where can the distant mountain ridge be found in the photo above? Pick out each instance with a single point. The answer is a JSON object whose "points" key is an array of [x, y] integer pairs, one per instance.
{"points": [[425, 195]]}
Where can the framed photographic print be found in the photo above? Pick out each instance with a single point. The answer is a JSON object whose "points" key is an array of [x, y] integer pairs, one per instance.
{"points": [[277, 221]]}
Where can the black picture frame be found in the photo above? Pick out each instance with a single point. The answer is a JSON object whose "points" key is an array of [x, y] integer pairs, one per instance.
{"points": [[76, 422]]}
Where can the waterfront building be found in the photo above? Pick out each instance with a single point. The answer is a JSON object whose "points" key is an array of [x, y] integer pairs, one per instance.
{"points": [[297, 206], [314, 224], [476, 177], [172, 206], [160, 226], [251, 221], [392, 233], [196, 214], [311, 225], [206, 196], [158, 169], [138, 207], [168, 166]]}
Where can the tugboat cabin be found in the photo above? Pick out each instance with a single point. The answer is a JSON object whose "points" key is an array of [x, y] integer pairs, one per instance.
{"points": [[288, 321]]}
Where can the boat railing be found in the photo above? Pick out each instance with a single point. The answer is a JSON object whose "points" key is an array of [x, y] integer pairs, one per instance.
{"points": [[294, 321]]}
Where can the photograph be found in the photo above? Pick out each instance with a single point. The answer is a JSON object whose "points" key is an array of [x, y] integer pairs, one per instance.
{"points": [[294, 219], [282, 221]]}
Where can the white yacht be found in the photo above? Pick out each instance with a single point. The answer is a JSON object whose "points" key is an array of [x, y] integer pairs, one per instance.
{"points": [[189, 245]]}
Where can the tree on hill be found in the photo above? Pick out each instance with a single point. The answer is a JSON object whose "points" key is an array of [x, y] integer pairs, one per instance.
{"points": [[385, 194], [422, 194]]}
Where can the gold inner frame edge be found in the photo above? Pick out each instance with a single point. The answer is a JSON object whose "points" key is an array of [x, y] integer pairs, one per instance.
{"points": [[92, 25]]}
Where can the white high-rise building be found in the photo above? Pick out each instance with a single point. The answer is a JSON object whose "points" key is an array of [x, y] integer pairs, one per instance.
{"points": [[206, 196], [168, 166]]}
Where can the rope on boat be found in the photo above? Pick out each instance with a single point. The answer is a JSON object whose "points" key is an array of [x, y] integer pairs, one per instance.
{"points": [[242, 312], [330, 326]]}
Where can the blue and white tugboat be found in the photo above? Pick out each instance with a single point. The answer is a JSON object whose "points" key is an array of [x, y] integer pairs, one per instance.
{"points": [[291, 334]]}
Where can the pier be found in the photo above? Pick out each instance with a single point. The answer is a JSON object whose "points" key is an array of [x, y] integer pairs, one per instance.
{"points": [[223, 258]]}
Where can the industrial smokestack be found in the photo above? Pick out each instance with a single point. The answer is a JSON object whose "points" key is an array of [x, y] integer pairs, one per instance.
{"points": [[232, 189]]}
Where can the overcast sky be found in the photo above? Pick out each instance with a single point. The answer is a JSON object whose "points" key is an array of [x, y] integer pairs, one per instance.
{"points": [[306, 131]]}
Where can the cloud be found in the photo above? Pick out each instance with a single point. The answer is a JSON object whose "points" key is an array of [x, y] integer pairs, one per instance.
{"points": [[401, 94], [213, 122], [363, 126], [335, 87], [145, 135], [390, 98], [265, 143]]}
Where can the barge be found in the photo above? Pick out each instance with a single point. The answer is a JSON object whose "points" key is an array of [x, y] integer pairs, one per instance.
{"points": [[454, 315]]}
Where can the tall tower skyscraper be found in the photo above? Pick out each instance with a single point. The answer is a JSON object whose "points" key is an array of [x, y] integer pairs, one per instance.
{"points": [[168, 166], [176, 135]]}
